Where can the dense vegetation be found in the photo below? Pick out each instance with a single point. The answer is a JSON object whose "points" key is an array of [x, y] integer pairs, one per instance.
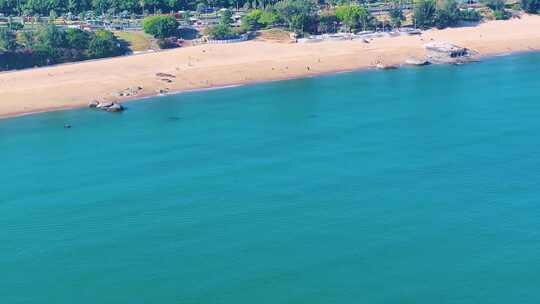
{"points": [[160, 26], [223, 29], [441, 14], [297, 15], [45, 7], [354, 17], [23, 47], [531, 6], [50, 45], [296, 12], [306, 16]]}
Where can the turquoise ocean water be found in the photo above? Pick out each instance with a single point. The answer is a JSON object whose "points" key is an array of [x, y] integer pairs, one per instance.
{"points": [[408, 186]]}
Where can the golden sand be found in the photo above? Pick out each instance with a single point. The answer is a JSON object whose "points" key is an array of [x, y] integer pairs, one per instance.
{"points": [[204, 66]]}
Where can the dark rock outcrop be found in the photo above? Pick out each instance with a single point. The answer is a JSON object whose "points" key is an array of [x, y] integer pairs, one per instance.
{"points": [[104, 105], [115, 107], [417, 62], [108, 106], [381, 66]]}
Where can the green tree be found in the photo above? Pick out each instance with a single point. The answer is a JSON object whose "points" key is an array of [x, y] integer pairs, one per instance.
{"points": [[126, 6], [327, 22], [299, 15], [501, 14], [37, 7], [15, 26], [101, 6], [26, 39], [424, 13], [154, 4], [469, 15], [250, 21], [52, 16], [226, 17], [495, 5], [396, 14], [73, 6], [354, 17], [223, 29], [498, 7], [173, 4], [446, 14], [201, 7], [220, 32], [50, 37], [269, 18], [531, 6], [8, 7], [50, 41], [160, 26], [104, 44], [77, 39], [8, 40]]}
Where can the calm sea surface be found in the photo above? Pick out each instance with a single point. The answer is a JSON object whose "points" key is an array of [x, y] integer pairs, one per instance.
{"points": [[408, 186]]}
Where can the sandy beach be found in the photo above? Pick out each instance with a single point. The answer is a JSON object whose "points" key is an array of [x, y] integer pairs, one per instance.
{"points": [[205, 66]]}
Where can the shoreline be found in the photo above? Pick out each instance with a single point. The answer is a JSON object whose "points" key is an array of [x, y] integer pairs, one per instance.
{"points": [[209, 67], [142, 97]]}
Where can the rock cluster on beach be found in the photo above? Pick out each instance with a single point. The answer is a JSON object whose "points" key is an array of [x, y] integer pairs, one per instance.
{"points": [[131, 91], [437, 53], [106, 106], [448, 53], [417, 62], [382, 66], [168, 78], [165, 75]]}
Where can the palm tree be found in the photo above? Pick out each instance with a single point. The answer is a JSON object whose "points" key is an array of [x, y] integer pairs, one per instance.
{"points": [[142, 3]]}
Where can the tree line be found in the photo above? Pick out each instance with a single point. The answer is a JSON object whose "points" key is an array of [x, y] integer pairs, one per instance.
{"points": [[51, 45], [305, 16], [59, 7]]}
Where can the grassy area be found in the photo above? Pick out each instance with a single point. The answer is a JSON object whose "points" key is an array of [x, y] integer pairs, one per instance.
{"points": [[137, 41]]}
